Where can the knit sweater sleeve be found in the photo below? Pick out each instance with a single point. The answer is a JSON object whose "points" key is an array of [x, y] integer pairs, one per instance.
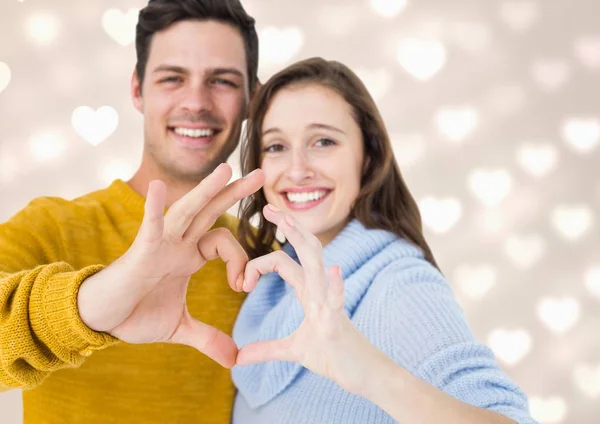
{"points": [[40, 328], [427, 333]]}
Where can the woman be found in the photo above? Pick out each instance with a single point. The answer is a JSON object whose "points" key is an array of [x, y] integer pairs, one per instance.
{"points": [[364, 329]]}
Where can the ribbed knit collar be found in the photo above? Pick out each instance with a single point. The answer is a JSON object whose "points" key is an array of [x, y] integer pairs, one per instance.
{"points": [[127, 194], [273, 312]]}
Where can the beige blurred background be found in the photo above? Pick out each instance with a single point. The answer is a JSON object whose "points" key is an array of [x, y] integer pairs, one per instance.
{"points": [[494, 110]]}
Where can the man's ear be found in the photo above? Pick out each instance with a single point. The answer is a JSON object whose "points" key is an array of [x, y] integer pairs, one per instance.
{"points": [[136, 92]]}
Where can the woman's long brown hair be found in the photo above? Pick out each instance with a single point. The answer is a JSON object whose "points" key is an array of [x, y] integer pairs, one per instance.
{"points": [[384, 201]]}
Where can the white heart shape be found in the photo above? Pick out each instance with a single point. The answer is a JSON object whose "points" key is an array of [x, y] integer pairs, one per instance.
{"points": [[592, 281], [559, 315], [537, 159], [389, 8], [5, 76], [456, 123], [43, 28], [524, 251], [572, 222], [409, 149], [587, 50], [582, 134], [490, 186], [519, 15], [510, 346], [587, 379], [475, 281], [278, 46], [440, 215], [548, 410], [377, 81], [421, 58], [95, 126], [120, 26], [550, 74]]}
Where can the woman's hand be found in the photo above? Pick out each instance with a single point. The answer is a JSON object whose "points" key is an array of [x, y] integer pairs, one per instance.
{"points": [[326, 342]]}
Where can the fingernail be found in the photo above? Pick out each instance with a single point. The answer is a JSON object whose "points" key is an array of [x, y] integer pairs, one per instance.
{"points": [[273, 208], [244, 285], [252, 173], [288, 219]]}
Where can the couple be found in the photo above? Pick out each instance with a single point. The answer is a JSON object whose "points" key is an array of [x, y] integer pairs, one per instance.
{"points": [[103, 298]]}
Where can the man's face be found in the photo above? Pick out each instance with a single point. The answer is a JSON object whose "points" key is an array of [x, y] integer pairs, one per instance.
{"points": [[193, 97]]}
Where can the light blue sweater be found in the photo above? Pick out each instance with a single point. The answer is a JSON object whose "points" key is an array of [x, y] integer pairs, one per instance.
{"points": [[402, 304]]}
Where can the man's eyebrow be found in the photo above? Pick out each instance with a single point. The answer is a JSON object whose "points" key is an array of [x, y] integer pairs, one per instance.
{"points": [[213, 71], [221, 71], [170, 68]]}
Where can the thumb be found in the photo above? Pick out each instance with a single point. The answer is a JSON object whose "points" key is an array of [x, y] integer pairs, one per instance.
{"points": [[207, 339], [270, 350]]}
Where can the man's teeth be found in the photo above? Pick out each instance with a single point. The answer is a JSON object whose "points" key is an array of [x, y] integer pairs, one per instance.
{"points": [[305, 197], [194, 133]]}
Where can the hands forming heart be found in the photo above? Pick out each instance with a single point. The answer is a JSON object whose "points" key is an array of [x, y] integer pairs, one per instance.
{"points": [[141, 297], [326, 342]]}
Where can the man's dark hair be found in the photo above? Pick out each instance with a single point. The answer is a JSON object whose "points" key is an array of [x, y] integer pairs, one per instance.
{"points": [[161, 14]]}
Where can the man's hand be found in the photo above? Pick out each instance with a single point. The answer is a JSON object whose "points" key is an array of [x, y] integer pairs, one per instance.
{"points": [[141, 297]]}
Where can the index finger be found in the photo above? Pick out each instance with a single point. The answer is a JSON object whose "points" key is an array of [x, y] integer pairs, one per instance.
{"points": [[226, 198], [182, 213]]}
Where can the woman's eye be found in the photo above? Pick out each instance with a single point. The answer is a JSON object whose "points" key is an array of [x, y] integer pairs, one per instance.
{"points": [[273, 148], [322, 142]]}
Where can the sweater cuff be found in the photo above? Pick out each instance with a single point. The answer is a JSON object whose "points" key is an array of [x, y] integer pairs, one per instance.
{"points": [[56, 311]]}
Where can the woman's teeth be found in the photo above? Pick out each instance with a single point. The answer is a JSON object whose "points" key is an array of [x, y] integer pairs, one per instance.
{"points": [[305, 197], [194, 133]]}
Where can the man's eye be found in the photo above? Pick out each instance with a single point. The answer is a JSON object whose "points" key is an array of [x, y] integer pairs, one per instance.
{"points": [[171, 79], [222, 81]]}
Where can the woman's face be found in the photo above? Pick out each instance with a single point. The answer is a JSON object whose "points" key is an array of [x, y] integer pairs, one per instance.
{"points": [[312, 157]]}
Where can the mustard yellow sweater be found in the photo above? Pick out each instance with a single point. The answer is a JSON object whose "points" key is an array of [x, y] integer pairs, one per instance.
{"points": [[71, 374]]}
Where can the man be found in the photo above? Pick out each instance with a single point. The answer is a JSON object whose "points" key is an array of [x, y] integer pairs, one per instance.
{"points": [[87, 285]]}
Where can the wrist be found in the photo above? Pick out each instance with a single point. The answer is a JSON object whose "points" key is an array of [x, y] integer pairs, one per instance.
{"points": [[102, 301], [384, 377]]}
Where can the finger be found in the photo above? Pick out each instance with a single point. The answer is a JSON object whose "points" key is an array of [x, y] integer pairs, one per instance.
{"points": [[225, 199], [278, 262], [307, 246], [220, 243], [212, 342], [272, 350], [304, 242], [154, 213], [335, 293], [182, 213]]}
